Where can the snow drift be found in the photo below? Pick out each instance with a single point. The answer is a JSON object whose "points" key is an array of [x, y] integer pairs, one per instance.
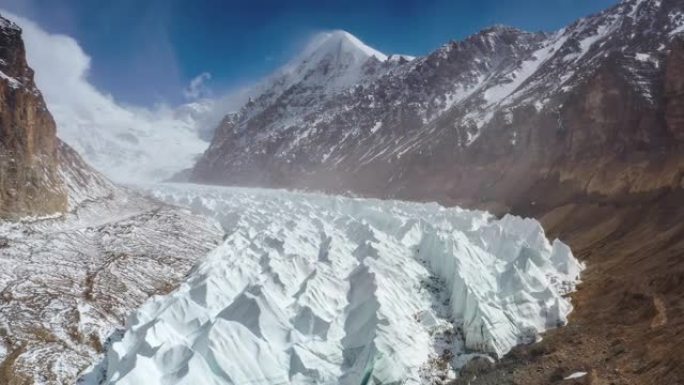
{"points": [[318, 289]]}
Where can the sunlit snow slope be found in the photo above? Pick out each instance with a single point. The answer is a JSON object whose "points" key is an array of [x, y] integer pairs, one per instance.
{"points": [[318, 289]]}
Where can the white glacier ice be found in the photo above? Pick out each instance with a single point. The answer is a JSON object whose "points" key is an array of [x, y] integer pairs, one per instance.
{"points": [[318, 289]]}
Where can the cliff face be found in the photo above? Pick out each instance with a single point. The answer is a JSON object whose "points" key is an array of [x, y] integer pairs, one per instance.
{"points": [[30, 183]]}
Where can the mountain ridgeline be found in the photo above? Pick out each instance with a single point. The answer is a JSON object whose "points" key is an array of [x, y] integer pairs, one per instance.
{"points": [[505, 119]]}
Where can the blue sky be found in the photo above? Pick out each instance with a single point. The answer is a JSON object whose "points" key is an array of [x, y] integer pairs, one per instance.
{"points": [[147, 51]]}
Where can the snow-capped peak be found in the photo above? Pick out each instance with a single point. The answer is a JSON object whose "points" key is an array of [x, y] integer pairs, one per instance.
{"points": [[336, 59], [340, 43], [8, 24]]}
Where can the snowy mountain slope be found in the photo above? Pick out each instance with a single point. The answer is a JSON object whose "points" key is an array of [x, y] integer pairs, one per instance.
{"points": [[332, 59], [77, 252], [318, 289], [68, 280], [374, 113], [492, 115], [330, 64]]}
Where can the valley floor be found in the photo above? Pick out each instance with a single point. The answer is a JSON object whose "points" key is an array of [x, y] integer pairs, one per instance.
{"points": [[440, 282]]}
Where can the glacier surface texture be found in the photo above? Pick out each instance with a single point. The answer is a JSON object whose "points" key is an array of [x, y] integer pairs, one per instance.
{"points": [[318, 289]]}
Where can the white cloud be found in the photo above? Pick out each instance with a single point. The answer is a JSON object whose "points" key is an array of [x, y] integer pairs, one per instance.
{"points": [[198, 87], [129, 144]]}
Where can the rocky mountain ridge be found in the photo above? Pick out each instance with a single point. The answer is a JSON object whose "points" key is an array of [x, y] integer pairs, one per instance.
{"points": [[30, 183], [483, 120]]}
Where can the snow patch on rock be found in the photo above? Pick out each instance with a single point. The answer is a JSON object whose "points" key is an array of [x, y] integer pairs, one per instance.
{"points": [[14, 83]]}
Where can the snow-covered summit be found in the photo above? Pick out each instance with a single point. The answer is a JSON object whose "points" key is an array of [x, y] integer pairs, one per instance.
{"points": [[335, 60], [8, 24], [341, 42], [399, 58], [331, 64]]}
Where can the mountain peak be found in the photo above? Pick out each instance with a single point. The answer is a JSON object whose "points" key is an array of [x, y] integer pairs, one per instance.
{"points": [[340, 42], [501, 28], [336, 59], [8, 24]]}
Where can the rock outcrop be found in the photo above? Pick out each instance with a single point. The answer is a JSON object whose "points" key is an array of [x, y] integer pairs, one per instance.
{"points": [[30, 182]]}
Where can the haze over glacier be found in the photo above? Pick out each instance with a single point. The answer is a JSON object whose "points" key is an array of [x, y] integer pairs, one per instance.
{"points": [[129, 144]]}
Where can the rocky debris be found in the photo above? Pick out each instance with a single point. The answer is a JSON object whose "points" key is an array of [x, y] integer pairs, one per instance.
{"points": [[474, 368], [67, 283], [29, 179]]}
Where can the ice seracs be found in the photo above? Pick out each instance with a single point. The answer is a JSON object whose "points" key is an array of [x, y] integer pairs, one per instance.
{"points": [[329, 290]]}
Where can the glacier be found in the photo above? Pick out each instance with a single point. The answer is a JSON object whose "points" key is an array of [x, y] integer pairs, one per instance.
{"points": [[315, 289]]}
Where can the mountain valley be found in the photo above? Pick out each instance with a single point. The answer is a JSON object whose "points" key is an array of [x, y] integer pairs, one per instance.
{"points": [[507, 209]]}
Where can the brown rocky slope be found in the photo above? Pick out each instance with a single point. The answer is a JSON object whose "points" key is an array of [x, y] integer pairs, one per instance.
{"points": [[628, 320], [624, 216], [30, 183]]}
